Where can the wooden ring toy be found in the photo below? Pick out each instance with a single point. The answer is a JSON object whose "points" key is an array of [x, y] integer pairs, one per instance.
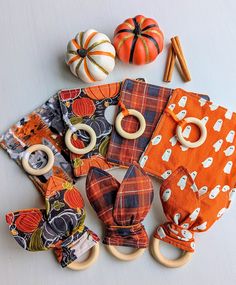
{"points": [[197, 143], [40, 171], [86, 149], [122, 132], [93, 255], [171, 263], [125, 256]]}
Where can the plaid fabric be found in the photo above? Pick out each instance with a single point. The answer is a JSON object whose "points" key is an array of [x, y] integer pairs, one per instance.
{"points": [[59, 227], [121, 207], [187, 210], [96, 107], [150, 101], [42, 126]]}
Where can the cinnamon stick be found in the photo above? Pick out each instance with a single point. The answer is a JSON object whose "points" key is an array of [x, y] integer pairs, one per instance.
{"points": [[180, 55], [170, 63]]}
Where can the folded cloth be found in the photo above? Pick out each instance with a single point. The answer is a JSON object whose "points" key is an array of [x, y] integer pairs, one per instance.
{"points": [[187, 211], [121, 207], [209, 164], [96, 107], [59, 227], [42, 126], [150, 100]]}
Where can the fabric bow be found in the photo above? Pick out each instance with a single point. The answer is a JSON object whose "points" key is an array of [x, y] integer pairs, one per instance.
{"points": [[60, 226], [121, 207], [189, 210]]}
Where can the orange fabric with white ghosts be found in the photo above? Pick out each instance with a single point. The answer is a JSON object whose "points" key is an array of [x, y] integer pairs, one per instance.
{"points": [[187, 211], [209, 168]]}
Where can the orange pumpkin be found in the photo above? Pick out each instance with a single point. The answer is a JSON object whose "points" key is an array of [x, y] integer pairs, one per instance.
{"points": [[138, 40], [28, 221], [83, 107], [69, 94], [73, 199], [103, 91]]}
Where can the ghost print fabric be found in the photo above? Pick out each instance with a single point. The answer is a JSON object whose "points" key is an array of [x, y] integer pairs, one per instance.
{"points": [[188, 211], [96, 107], [207, 180], [42, 126], [60, 226]]}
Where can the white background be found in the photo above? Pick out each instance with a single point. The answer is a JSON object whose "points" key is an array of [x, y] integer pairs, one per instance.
{"points": [[34, 35]]}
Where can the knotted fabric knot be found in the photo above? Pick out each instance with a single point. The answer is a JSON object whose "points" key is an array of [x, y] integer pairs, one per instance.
{"points": [[60, 226], [124, 110], [180, 122], [121, 206]]}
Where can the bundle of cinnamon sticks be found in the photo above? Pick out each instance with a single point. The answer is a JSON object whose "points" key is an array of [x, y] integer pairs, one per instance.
{"points": [[175, 50]]}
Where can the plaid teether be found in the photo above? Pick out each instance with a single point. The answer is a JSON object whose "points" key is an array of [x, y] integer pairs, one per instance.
{"points": [[121, 206], [60, 226]]}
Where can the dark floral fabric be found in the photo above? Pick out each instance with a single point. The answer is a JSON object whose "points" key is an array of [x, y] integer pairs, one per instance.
{"points": [[60, 226]]}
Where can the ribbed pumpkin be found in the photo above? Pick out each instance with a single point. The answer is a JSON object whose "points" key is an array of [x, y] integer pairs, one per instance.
{"points": [[83, 107], [73, 199], [138, 40], [100, 125], [28, 222], [91, 56], [103, 91], [69, 94]]}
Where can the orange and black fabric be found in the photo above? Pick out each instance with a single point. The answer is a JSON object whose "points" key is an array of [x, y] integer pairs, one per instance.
{"points": [[60, 226], [150, 100], [42, 126], [121, 206], [96, 107]]}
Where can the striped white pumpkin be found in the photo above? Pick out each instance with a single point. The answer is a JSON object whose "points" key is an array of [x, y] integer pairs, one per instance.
{"points": [[91, 56]]}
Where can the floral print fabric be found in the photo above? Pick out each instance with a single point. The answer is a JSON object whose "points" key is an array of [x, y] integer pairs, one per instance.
{"points": [[60, 226], [96, 107]]}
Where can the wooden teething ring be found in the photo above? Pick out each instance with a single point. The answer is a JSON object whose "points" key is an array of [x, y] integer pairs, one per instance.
{"points": [[171, 263], [125, 256], [40, 171], [93, 255], [89, 147], [197, 143], [123, 133]]}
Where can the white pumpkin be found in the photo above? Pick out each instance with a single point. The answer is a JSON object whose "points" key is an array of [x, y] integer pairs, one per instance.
{"points": [[91, 56]]}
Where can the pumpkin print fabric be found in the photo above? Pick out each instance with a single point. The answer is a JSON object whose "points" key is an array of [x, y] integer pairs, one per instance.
{"points": [[42, 126], [60, 226], [96, 107], [121, 206], [150, 100]]}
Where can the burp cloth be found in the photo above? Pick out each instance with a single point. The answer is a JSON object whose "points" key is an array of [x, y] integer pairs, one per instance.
{"points": [[150, 101], [60, 226], [195, 196], [121, 206], [43, 126], [188, 210], [96, 107]]}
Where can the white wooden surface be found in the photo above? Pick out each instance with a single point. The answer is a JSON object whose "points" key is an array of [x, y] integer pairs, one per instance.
{"points": [[34, 35]]}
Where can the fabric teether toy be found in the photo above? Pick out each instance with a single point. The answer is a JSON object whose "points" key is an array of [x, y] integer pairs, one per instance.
{"points": [[36, 143], [138, 40], [91, 56], [95, 108], [122, 207], [60, 226], [148, 100], [199, 136]]}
